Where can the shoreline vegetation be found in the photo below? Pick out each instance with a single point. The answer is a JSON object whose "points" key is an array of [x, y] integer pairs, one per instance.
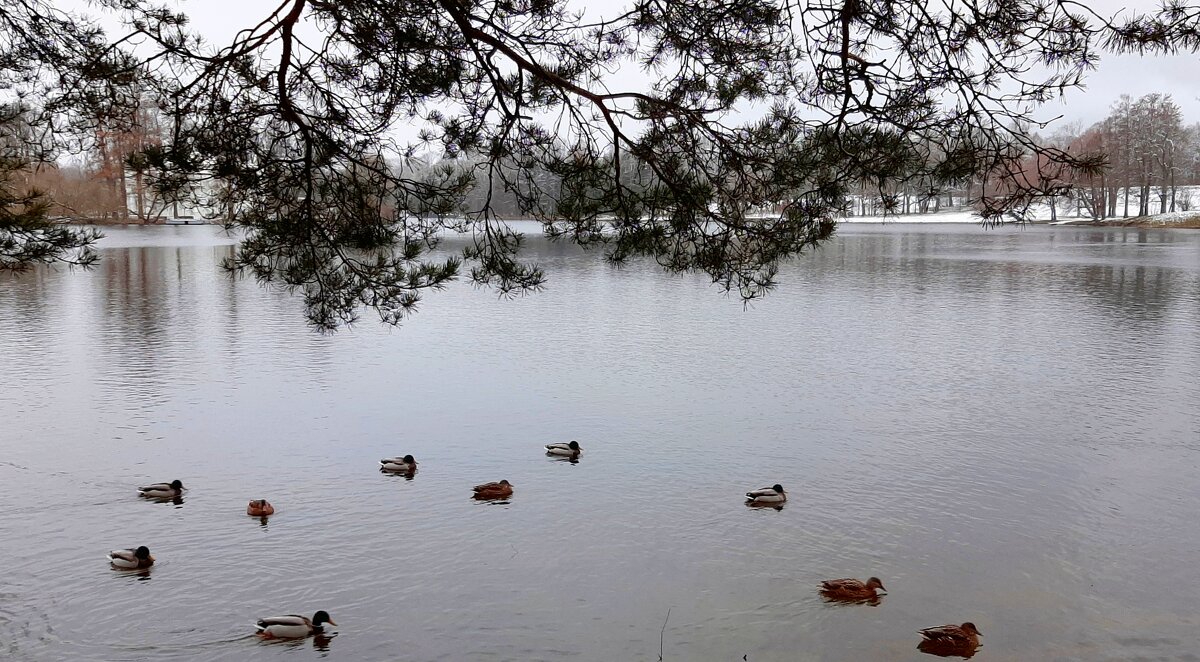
{"points": [[1168, 221], [1189, 222]]}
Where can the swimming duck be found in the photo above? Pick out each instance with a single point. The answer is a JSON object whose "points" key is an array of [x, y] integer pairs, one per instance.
{"points": [[128, 559], [773, 494], [964, 637], [402, 465], [162, 490], [571, 449], [292, 626], [260, 508], [500, 490], [851, 589]]}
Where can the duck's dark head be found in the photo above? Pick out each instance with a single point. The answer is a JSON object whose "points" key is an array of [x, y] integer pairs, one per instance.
{"points": [[504, 482], [322, 617], [142, 553], [574, 445], [777, 487], [970, 627], [177, 484], [874, 582], [408, 459]]}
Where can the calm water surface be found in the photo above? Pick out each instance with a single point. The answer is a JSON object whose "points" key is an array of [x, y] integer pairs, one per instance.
{"points": [[1003, 425]]}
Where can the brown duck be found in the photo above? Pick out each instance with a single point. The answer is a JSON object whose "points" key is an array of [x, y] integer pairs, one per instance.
{"points": [[851, 589], [945, 640], [260, 508], [500, 490]]}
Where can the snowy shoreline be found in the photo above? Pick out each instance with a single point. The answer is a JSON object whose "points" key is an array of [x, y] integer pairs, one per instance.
{"points": [[1171, 220]]}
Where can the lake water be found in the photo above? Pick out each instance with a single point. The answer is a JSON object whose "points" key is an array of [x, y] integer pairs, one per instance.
{"points": [[1002, 425]]}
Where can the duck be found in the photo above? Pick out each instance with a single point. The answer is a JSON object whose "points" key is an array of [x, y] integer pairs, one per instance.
{"points": [[851, 589], [767, 495], [260, 508], [162, 490], [132, 558], [964, 637], [402, 465], [570, 449], [500, 490], [292, 626]]}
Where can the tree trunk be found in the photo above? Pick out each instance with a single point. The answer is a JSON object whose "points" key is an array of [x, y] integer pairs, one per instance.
{"points": [[139, 192], [1102, 203], [1174, 189], [122, 195]]}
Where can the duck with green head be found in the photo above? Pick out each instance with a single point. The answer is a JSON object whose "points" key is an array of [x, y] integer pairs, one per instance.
{"points": [[767, 495], [162, 490], [292, 626], [569, 449], [400, 465], [132, 558]]}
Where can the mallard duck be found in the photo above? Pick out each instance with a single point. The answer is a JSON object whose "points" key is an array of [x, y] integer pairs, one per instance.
{"points": [[570, 449], [965, 636], [131, 558], [851, 589], [766, 495], [260, 508], [162, 490], [402, 465], [500, 490], [292, 626]]}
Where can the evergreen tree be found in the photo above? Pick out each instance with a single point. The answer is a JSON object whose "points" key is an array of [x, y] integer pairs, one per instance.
{"points": [[750, 105]]}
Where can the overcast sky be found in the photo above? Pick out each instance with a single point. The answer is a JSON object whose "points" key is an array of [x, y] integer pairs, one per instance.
{"points": [[1126, 74]]}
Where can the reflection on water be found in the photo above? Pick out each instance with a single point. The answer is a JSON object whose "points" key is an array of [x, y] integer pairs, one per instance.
{"points": [[176, 500], [942, 649], [842, 601], [1001, 423], [322, 642]]}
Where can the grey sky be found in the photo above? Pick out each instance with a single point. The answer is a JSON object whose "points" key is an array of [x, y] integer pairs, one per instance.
{"points": [[1178, 75]]}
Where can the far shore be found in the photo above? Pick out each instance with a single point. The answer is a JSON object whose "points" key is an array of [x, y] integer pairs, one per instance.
{"points": [[1191, 222], [1173, 221]]}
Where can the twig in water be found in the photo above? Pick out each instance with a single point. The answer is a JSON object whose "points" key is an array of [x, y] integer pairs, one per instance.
{"points": [[661, 633]]}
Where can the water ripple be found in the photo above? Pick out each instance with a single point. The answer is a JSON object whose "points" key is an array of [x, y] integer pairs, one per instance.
{"points": [[1001, 425]]}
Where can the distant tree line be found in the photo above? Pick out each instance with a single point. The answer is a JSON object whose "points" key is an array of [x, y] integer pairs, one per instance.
{"points": [[1151, 155], [1149, 159]]}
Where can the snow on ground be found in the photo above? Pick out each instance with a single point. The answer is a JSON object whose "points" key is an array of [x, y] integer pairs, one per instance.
{"points": [[1173, 216], [1066, 210], [1169, 218], [940, 217]]}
